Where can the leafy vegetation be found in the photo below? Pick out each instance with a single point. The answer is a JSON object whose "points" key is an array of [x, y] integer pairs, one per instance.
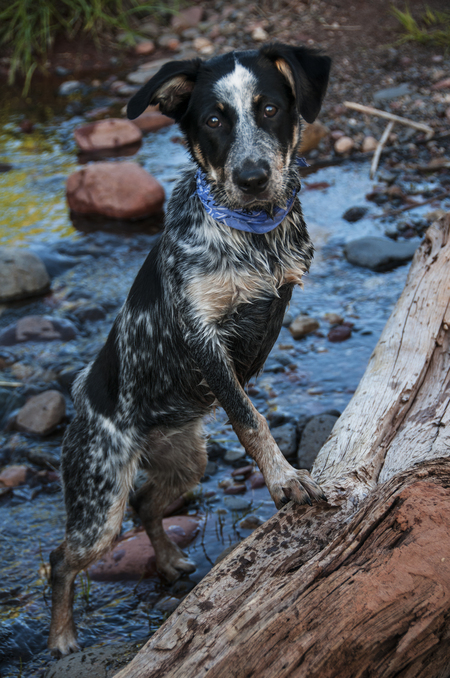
{"points": [[431, 28], [29, 27]]}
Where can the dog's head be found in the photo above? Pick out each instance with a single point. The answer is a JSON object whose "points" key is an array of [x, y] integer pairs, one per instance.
{"points": [[240, 113]]}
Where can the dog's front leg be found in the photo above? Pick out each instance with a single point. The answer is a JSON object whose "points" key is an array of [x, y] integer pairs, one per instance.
{"points": [[283, 481]]}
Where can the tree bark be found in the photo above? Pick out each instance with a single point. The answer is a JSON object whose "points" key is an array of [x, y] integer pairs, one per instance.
{"points": [[360, 586]]}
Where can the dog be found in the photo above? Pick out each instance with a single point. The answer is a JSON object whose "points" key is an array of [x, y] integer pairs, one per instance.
{"points": [[202, 315]]}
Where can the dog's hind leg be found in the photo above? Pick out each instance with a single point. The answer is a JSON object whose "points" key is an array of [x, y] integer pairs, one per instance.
{"points": [[98, 469], [175, 462]]}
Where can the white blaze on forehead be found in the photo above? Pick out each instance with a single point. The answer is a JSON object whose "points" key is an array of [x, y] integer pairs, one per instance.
{"points": [[237, 89]]}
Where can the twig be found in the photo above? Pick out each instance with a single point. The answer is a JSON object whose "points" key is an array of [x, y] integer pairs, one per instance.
{"points": [[13, 384], [390, 116], [381, 143], [392, 213], [330, 27]]}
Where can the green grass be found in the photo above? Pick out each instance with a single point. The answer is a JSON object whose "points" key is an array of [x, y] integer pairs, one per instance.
{"points": [[28, 27], [431, 28]]}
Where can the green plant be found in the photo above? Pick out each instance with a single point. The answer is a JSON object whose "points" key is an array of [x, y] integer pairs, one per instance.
{"points": [[29, 27], [432, 27]]}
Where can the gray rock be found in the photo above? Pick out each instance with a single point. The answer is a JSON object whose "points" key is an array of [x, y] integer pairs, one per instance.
{"points": [[37, 328], [22, 274], [70, 87], [89, 312], [286, 438], [303, 325], [234, 503], [95, 662], [354, 214], [215, 449], [380, 254], [146, 71], [41, 414], [393, 92], [250, 522], [313, 438], [234, 455]]}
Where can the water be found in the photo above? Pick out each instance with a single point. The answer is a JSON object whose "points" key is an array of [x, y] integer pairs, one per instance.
{"points": [[321, 375]]}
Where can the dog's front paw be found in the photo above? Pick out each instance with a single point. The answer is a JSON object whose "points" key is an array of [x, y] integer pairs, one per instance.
{"points": [[63, 643], [297, 486], [174, 563]]}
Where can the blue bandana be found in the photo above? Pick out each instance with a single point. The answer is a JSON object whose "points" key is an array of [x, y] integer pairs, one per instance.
{"points": [[250, 221]]}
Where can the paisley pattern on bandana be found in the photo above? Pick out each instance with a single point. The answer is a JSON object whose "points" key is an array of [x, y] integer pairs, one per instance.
{"points": [[250, 221]]}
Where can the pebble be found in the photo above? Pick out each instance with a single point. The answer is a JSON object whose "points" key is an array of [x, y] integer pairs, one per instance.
{"points": [[146, 71], [250, 522], [121, 190], [302, 326], [239, 488], [259, 34], [354, 214], [215, 449], [234, 455], [167, 604], [203, 46], [393, 92], [369, 144], [145, 48], [313, 438], [187, 18], [22, 274], [344, 145], [151, 121], [245, 471], [105, 134], [339, 333], [333, 318], [42, 413], [379, 254], [89, 312], [13, 476], [169, 42], [237, 503], [70, 87], [133, 556], [37, 328], [442, 84], [285, 437], [311, 136], [257, 480]]}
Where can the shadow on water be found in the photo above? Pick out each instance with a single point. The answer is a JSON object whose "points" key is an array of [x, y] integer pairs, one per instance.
{"points": [[302, 378]]}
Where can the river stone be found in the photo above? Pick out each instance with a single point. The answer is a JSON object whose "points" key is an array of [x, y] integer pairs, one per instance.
{"points": [[104, 134], [237, 503], [151, 121], [187, 18], [95, 662], [344, 145], [22, 274], [286, 438], [146, 71], [121, 190], [37, 328], [312, 135], [13, 476], [133, 557], [313, 438], [42, 413], [393, 92], [354, 213], [380, 254], [302, 326]]}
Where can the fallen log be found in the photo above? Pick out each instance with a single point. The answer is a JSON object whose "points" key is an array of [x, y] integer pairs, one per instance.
{"points": [[360, 586]]}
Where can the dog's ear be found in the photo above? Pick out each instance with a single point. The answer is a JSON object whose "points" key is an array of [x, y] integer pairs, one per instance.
{"points": [[171, 88], [307, 73]]}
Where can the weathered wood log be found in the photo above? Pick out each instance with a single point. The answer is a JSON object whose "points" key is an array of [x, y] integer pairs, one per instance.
{"points": [[361, 586]]}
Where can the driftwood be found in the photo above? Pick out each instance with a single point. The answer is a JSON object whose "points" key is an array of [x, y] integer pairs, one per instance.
{"points": [[360, 586], [370, 110], [379, 148]]}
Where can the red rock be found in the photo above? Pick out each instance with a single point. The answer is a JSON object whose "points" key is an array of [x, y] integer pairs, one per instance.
{"points": [[257, 480], [12, 476], [42, 413], [187, 18], [442, 84], [175, 506], [236, 489], [145, 47], [339, 333], [122, 190], [37, 328], [133, 556], [243, 471], [103, 134], [151, 121]]}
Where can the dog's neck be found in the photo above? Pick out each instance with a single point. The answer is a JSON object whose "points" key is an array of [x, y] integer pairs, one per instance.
{"points": [[251, 221]]}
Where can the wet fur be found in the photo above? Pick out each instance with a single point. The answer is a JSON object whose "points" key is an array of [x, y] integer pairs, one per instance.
{"points": [[199, 321]]}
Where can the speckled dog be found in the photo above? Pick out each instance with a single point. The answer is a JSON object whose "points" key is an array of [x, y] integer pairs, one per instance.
{"points": [[202, 314]]}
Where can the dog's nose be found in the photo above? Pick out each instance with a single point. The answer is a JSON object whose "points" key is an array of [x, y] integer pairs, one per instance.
{"points": [[253, 180]]}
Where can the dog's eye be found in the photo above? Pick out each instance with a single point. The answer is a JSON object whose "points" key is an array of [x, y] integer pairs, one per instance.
{"points": [[213, 121], [269, 111]]}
